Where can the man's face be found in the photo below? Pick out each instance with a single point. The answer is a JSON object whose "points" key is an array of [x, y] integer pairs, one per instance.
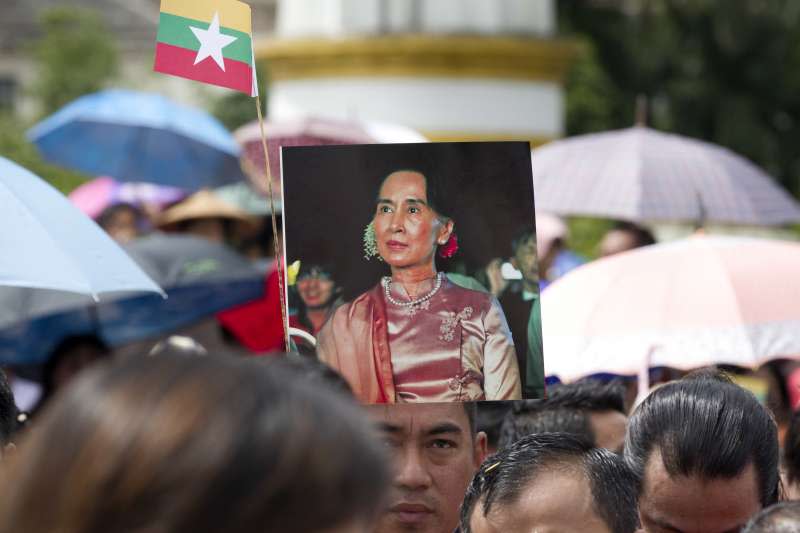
{"points": [[692, 504], [435, 456], [609, 429], [524, 260], [556, 500]]}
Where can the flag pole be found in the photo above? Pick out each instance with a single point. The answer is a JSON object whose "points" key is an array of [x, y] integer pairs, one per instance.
{"points": [[278, 256]]}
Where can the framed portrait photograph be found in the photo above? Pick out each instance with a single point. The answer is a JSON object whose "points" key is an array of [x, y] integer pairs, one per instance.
{"points": [[413, 268]]}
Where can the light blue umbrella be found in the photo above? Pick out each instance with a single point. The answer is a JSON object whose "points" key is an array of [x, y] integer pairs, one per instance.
{"points": [[53, 256], [135, 136]]}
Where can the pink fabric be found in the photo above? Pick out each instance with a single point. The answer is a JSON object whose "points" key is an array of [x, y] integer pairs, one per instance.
{"points": [[457, 348]]}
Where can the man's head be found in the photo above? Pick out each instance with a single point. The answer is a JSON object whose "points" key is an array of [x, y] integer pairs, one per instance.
{"points": [[604, 403], [781, 517], [705, 454], [590, 409], [623, 237], [436, 451], [551, 482]]}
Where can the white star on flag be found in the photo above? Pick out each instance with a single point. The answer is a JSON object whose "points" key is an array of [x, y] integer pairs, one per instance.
{"points": [[212, 42]]}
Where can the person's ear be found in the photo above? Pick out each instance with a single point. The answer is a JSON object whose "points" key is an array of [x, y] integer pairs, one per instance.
{"points": [[445, 231], [481, 448]]}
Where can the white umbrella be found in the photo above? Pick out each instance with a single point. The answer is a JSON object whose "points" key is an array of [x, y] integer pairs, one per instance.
{"points": [[53, 255], [643, 175]]}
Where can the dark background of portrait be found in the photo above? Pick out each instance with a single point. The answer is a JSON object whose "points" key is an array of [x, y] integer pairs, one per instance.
{"points": [[329, 195]]}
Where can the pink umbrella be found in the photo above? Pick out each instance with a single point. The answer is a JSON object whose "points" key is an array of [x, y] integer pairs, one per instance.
{"points": [[96, 195], [685, 304], [309, 131]]}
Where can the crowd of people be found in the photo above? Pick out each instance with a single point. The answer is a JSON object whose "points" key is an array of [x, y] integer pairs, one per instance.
{"points": [[181, 440]]}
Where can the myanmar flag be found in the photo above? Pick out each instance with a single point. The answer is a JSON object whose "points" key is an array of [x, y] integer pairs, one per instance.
{"points": [[209, 41]]}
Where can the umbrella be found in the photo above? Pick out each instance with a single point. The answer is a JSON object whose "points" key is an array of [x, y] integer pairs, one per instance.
{"points": [[96, 195], [685, 304], [310, 131], [48, 243], [54, 257], [137, 136], [199, 277], [640, 174]]}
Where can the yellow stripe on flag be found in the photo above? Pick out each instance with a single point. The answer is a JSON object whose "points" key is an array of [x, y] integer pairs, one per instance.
{"points": [[232, 13]]}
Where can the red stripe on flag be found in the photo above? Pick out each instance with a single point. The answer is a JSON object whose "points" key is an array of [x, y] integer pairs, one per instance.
{"points": [[180, 62]]}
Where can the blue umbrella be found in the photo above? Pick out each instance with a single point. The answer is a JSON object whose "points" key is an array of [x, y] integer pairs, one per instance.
{"points": [[199, 277], [134, 136]]}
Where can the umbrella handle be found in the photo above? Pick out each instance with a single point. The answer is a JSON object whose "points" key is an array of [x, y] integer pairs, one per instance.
{"points": [[303, 335]]}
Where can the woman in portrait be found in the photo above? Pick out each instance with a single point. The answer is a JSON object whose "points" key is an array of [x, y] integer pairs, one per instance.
{"points": [[416, 336]]}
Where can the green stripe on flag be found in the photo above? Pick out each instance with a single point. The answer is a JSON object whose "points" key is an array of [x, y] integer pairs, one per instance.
{"points": [[176, 31]]}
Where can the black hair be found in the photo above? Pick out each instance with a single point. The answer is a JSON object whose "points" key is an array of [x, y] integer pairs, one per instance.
{"points": [[522, 236], [61, 351], [471, 409], [791, 450], [108, 214], [312, 371], [8, 411], [783, 517], [590, 394], [541, 418], [491, 417], [505, 476], [434, 189], [643, 236], [705, 425]]}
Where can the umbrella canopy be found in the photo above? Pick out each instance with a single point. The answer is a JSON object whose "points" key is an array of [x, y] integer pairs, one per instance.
{"points": [[643, 175], [310, 131], [137, 136], [98, 194], [48, 243], [684, 304], [200, 279]]}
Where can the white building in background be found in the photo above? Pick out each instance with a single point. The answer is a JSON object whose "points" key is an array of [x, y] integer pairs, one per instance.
{"points": [[452, 69]]}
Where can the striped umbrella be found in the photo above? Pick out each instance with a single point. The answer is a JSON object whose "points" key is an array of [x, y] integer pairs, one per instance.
{"points": [[643, 175]]}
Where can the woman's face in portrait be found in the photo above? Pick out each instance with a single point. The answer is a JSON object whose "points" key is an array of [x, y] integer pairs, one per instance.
{"points": [[315, 289], [407, 229]]}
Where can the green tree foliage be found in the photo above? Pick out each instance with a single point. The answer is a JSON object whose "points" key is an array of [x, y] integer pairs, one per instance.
{"points": [[76, 55], [14, 146], [237, 109], [721, 71]]}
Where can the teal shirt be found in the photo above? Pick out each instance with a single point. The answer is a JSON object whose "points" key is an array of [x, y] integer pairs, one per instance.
{"points": [[534, 378]]}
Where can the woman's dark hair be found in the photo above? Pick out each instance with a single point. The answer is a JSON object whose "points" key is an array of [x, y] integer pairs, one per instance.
{"points": [[434, 189], [109, 213], [506, 475], [791, 450], [205, 444], [707, 426]]}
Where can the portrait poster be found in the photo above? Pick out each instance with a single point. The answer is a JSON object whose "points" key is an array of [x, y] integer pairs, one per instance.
{"points": [[388, 249]]}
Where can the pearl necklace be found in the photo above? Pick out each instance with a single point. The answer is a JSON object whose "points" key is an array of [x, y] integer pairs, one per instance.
{"points": [[412, 305]]}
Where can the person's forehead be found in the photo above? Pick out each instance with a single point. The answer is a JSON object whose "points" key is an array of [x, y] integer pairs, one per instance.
{"points": [[414, 419], [559, 498], [695, 503]]}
